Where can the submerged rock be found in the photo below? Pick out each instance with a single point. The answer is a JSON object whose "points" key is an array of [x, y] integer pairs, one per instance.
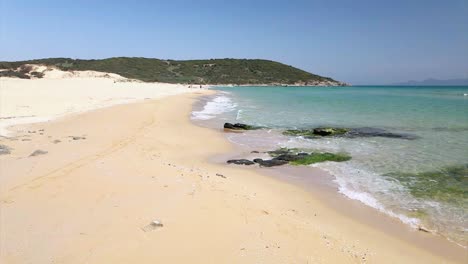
{"points": [[347, 132], [239, 126], [241, 162], [377, 132]]}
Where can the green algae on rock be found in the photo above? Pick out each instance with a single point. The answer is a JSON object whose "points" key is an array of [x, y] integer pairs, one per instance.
{"points": [[316, 132], [321, 157], [449, 184]]}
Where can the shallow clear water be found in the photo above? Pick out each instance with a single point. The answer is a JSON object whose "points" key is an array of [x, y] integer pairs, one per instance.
{"points": [[422, 181]]}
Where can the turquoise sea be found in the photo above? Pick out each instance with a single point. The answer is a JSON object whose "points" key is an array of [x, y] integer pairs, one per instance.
{"points": [[422, 181]]}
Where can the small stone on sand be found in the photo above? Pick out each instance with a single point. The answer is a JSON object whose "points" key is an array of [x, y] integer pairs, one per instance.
{"points": [[38, 152]]}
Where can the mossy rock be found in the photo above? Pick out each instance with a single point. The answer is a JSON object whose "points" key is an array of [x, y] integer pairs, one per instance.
{"points": [[299, 132], [329, 131], [448, 184], [297, 156], [283, 151], [316, 132], [321, 157]]}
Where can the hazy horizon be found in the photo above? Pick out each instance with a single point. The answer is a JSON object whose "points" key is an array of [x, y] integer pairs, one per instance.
{"points": [[359, 42]]}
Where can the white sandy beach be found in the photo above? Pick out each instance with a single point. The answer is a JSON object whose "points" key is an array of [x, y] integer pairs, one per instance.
{"points": [[60, 93]]}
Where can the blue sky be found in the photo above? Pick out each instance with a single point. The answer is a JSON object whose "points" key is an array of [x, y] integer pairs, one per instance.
{"points": [[357, 41]]}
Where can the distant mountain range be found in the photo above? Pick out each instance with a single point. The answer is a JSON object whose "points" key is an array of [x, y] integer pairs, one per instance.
{"points": [[435, 82]]}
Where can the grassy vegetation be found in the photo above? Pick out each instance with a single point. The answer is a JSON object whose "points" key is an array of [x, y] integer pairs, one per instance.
{"points": [[321, 157], [214, 71]]}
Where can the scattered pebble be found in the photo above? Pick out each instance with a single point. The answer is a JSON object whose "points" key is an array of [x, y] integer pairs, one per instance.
{"points": [[56, 141], [76, 138], [4, 150], [38, 152], [220, 175], [152, 226]]}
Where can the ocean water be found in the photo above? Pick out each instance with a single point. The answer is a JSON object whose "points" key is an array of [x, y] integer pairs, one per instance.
{"points": [[423, 182]]}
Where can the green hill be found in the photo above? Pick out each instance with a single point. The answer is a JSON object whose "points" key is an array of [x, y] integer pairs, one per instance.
{"points": [[213, 71]]}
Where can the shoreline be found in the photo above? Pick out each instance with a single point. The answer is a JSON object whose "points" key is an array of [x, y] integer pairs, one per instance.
{"points": [[249, 217], [254, 141]]}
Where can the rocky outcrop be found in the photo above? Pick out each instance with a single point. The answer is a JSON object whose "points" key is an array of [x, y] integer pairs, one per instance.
{"points": [[285, 156]]}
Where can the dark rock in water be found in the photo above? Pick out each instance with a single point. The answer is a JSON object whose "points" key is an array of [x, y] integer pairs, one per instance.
{"points": [[321, 131], [38, 152], [329, 131], [239, 126], [4, 150], [281, 151], [346, 132], [291, 157], [241, 162], [307, 133], [377, 132], [271, 163]]}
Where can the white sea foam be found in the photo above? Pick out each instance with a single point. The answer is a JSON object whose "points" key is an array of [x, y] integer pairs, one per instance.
{"points": [[352, 182], [220, 104], [239, 114]]}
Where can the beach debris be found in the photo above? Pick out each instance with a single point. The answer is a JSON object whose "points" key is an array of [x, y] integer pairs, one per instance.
{"points": [[240, 162], [220, 175], [38, 152], [155, 224], [254, 151], [56, 141], [4, 150]]}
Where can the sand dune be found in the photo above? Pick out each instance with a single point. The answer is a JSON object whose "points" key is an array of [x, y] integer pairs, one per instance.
{"points": [[60, 93]]}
